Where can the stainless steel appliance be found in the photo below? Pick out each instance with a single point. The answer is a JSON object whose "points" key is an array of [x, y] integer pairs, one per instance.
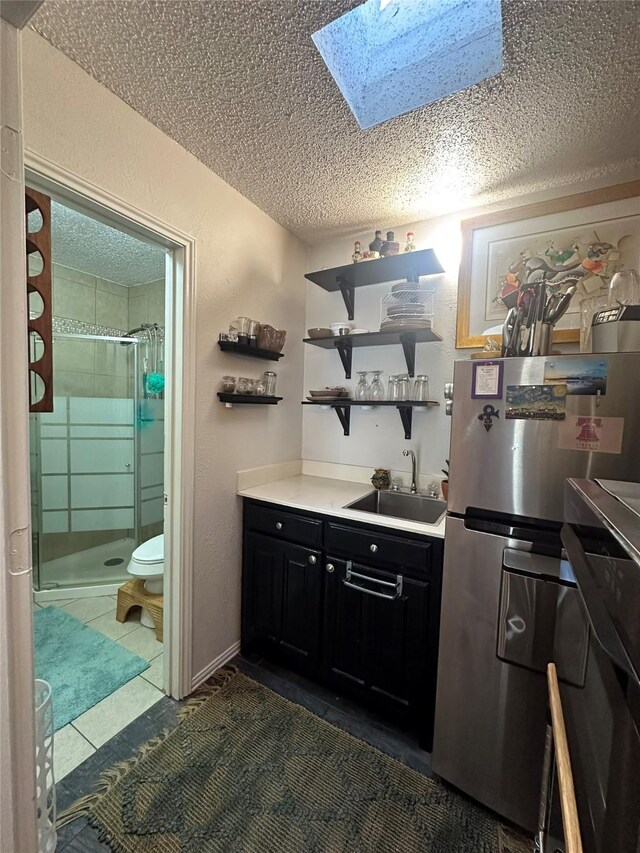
{"points": [[616, 329], [602, 714], [507, 594]]}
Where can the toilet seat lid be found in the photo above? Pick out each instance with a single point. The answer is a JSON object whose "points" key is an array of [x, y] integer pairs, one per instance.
{"points": [[151, 551]]}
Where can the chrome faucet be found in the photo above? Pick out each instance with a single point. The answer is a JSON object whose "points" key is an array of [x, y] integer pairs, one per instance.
{"points": [[414, 487]]}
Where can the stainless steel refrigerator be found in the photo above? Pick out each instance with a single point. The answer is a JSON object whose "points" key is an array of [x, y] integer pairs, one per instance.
{"points": [[509, 603]]}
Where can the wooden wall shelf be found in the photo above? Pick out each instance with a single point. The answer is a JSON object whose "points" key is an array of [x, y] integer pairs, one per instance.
{"points": [[243, 399], [408, 266], [344, 344], [405, 408], [248, 351]]}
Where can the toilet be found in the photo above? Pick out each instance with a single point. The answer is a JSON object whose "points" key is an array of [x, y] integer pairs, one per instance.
{"points": [[147, 565]]}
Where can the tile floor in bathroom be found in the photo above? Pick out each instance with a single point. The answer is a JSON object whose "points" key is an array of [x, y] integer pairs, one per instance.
{"points": [[74, 743]]}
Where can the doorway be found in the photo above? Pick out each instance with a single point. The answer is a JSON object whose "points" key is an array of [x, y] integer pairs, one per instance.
{"points": [[160, 479], [97, 484]]}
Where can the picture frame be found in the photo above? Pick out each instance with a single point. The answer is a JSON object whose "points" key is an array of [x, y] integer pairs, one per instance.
{"points": [[486, 380], [490, 241]]}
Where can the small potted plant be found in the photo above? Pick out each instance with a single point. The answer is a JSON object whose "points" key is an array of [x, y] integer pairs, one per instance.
{"points": [[445, 482]]}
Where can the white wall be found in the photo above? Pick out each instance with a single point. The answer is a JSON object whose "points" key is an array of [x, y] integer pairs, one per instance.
{"points": [[377, 438], [246, 264]]}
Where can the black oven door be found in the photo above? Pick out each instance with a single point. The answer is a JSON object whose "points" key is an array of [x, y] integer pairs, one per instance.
{"points": [[603, 715]]}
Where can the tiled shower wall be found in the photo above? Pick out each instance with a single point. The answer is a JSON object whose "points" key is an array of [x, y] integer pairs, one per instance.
{"points": [[146, 303], [86, 368]]}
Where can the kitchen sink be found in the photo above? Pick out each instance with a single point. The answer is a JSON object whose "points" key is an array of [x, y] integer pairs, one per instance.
{"points": [[401, 505]]}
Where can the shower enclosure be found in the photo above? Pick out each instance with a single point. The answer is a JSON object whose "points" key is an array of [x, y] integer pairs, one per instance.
{"points": [[97, 462]]}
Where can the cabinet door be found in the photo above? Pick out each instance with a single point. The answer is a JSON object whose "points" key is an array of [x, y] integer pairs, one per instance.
{"points": [[301, 603], [376, 636], [262, 582], [281, 591]]}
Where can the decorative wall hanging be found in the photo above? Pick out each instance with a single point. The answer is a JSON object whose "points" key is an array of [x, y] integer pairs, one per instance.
{"points": [[597, 232], [39, 301]]}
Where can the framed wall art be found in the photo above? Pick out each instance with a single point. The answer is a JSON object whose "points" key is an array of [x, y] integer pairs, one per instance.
{"points": [[594, 233]]}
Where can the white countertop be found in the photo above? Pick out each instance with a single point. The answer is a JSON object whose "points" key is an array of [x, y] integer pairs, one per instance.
{"points": [[329, 497]]}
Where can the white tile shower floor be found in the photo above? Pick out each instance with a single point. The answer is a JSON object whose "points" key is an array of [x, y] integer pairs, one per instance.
{"points": [[88, 565], [91, 730]]}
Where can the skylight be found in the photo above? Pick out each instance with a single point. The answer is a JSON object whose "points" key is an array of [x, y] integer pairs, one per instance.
{"points": [[389, 57]]}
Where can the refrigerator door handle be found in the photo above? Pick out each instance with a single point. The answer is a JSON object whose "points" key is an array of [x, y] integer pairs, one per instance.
{"points": [[600, 621]]}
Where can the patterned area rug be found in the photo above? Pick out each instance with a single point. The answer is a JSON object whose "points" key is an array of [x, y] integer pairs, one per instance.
{"points": [[247, 771], [81, 664]]}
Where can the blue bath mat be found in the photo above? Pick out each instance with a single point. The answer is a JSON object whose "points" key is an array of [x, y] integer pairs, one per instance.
{"points": [[81, 664]]}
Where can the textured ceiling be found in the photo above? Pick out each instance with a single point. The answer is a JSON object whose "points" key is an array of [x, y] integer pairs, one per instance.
{"points": [[241, 85], [85, 244]]}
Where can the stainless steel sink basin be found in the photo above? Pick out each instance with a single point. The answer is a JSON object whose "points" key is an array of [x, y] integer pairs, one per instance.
{"points": [[401, 505]]}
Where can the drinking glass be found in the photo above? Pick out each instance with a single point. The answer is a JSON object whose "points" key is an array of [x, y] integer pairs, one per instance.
{"points": [[624, 288], [392, 389], [404, 387], [421, 388], [376, 389], [362, 388], [588, 307]]}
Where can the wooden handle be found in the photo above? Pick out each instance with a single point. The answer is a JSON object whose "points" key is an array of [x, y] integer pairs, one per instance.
{"points": [[570, 821]]}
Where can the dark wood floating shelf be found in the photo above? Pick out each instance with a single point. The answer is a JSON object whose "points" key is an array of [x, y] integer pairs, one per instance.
{"points": [[405, 407], [408, 266], [251, 352], [248, 398], [344, 344]]}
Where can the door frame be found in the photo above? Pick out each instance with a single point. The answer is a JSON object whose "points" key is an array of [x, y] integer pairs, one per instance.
{"points": [[179, 470], [18, 821]]}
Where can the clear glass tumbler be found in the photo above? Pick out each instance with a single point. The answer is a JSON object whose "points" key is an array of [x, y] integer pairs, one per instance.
{"points": [[392, 389], [404, 387], [421, 388]]}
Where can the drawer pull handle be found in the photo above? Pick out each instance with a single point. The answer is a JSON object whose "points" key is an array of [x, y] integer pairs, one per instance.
{"points": [[330, 567], [396, 587], [373, 548], [313, 560], [278, 525]]}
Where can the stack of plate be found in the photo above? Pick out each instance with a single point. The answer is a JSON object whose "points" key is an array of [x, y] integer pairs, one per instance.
{"points": [[328, 395], [406, 310]]}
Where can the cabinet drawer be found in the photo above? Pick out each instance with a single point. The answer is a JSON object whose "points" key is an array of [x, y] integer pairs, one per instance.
{"points": [[283, 525], [378, 548]]}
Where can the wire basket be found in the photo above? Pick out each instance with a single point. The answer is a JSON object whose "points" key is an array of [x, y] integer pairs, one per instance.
{"points": [[406, 308], [45, 783]]}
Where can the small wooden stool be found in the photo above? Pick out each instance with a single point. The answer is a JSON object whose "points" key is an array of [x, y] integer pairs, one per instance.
{"points": [[133, 594]]}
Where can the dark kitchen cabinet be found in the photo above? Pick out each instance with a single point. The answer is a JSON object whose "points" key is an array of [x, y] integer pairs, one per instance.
{"points": [[355, 606], [376, 635], [282, 600]]}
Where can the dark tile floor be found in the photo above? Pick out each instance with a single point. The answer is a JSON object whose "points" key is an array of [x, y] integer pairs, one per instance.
{"points": [[79, 837]]}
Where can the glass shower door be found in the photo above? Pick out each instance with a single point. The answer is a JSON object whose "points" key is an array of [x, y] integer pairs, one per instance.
{"points": [[84, 465]]}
